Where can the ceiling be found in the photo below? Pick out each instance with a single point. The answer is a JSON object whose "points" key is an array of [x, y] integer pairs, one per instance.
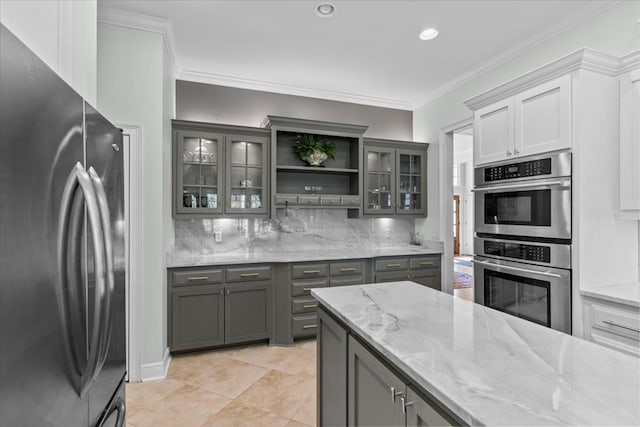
{"points": [[368, 52]]}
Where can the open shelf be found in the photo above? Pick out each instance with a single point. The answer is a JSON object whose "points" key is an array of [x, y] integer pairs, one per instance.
{"points": [[314, 169]]}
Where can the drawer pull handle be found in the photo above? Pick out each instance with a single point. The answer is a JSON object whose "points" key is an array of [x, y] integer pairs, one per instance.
{"points": [[310, 306], [310, 326], [311, 272], [348, 269], [621, 326], [249, 274], [306, 289], [198, 278], [393, 265], [426, 263]]}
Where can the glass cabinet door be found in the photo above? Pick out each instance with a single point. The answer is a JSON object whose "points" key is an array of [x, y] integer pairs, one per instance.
{"points": [[379, 181], [412, 182], [198, 172], [246, 175]]}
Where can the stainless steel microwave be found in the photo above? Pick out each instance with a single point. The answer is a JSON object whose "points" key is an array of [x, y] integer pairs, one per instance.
{"points": [[527, 198]]}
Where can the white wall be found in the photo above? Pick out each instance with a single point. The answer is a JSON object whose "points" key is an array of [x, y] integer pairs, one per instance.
{"points": [[132, 89], [615, 31], [63, 33]]}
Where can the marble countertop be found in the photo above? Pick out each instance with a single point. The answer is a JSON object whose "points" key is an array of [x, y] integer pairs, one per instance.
{"points": [[191, 259], [623, 293], [488, 367]]}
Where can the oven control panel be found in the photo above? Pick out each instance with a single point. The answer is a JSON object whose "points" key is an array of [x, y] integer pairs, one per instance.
{"points": [[518, 170], [537, 253]]}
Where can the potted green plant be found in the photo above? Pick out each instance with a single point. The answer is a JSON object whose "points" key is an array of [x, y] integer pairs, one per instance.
{"points": [[314, 149]]}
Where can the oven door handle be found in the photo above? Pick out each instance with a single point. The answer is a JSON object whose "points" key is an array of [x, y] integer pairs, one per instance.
{"points": [[517, 186], [524, 270]]}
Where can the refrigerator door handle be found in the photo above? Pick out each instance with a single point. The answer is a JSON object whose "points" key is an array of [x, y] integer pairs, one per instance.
{"points": [[70, 307], [109, 289]]}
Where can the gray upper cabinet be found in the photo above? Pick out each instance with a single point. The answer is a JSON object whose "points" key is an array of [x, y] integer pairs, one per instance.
{"points": [[395, 177], [335, 184], [198, 172], [220, 169], [246, 167]]}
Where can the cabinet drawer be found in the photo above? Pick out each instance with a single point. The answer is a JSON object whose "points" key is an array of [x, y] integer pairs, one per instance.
{"points": [[303, 326], [392, 276], [304, 305], [308, 271], [303, 287], [615, 321], [346, 281], [309, 200], [248, 273], [330, 200], [424, 262], [350, 200], [391, 264], [198, 277], [348, 268], [283, 199]]}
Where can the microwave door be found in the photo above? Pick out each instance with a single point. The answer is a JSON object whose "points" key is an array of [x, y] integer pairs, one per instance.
{"points": [[533, 209]]}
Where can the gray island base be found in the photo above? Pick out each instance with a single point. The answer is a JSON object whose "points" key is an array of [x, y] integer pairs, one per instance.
{"points": [[399, 354]]}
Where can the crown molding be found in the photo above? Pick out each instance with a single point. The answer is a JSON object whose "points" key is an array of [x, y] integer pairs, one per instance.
{"points": [[585, 59], [265, 86], [629, 62], [107, 15], [511, 54]]}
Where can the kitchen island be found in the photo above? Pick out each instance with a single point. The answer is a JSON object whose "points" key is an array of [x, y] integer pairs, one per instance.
{"points": [[396, 353]]}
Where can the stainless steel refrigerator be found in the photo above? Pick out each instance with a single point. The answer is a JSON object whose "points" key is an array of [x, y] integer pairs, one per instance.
{"points": [[62, 254]]}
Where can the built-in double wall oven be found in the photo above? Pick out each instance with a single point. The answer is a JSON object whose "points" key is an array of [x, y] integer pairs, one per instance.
{"points": [[522, 261]]}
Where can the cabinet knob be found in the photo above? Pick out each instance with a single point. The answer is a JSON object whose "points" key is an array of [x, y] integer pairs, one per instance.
{"points": [[394, 393], [515, 151], [508, 153], [405, 404]]}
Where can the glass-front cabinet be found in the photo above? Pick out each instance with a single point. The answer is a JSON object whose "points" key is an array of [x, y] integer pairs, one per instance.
{"points": [[379, 180], [395, 177], [199, 176], [246, 162], [219, 173], [411, 182]]}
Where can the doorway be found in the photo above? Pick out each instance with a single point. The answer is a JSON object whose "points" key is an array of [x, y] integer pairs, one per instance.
{"points": [[462, 178]]}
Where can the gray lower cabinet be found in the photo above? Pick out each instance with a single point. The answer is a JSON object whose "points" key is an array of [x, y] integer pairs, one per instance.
{"points": [[422, 269], [235, 309], [373, 390], [357, 388], [332, 362], [247, 312], [197, 318]]}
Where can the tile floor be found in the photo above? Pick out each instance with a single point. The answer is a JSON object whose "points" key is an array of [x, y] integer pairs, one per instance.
{"points": [[253, 385]]}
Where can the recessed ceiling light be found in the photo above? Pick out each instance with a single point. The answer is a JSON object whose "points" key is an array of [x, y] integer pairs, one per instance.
{"points": [[325, 10], [428, 34]]}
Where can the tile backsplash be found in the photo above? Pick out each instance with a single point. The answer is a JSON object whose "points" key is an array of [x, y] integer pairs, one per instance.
{"points": [[298, 229]]}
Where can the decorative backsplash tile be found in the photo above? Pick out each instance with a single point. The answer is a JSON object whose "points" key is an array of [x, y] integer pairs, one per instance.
{"points": [[297, 229]]}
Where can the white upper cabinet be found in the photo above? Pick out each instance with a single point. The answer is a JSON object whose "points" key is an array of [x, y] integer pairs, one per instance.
{"points": [[494, 132], [534, 121], [630, 144], [543, 118]]}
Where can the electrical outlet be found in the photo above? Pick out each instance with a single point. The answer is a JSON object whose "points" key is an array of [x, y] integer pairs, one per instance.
{"points": [[217, 234], [387, 233]]}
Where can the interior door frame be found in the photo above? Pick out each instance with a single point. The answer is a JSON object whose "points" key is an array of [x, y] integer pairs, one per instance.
{"points": [[446, 195], [132, 138], [456, 235]]}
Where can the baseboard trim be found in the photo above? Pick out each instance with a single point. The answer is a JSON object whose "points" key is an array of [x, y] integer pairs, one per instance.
{"points": [[156, 370]]}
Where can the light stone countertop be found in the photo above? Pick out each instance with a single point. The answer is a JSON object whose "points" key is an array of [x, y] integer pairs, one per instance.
{"points": [[272, 255], [488, 367], [624, 293]]}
